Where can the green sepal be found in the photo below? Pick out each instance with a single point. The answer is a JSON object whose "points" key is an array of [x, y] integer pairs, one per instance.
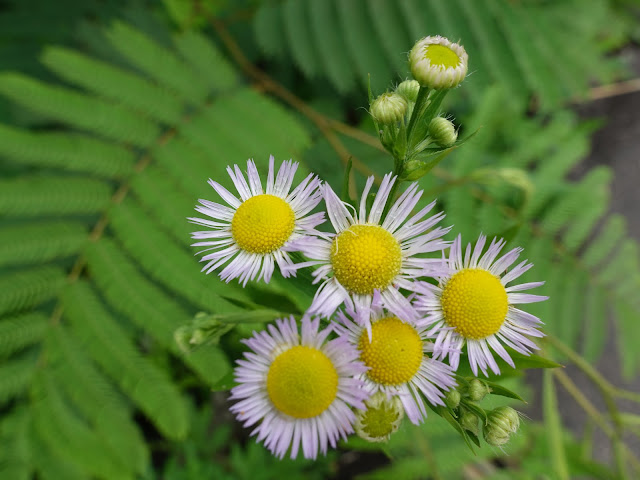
{"points": [[428, 158], [475, 408], [419, 130], [497, 389], [207, 329], [447, 414], [423, 164], [226, 383]]}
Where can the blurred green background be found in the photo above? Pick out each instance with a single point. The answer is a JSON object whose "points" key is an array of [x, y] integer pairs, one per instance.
{"points": [[114, 113]]}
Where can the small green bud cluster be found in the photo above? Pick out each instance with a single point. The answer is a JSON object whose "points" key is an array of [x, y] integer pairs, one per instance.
{"points": [[477, 390], [203, 328], [389, 108], [502, 422], [443, 132], [470, 421], [408, 119], [408, 90], [452, 399]]}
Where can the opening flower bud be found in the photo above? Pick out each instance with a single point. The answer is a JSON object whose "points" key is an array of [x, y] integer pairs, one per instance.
{"points": [[381, 418], [389, 108], [408, 90], [443, 132], [435, 62], [477, 390]]}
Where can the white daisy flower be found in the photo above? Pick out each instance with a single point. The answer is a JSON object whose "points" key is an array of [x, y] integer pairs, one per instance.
{"points": [[436, 62], [399, 362], [367, 255], [473, 304], [254, 232], [298, 388]]}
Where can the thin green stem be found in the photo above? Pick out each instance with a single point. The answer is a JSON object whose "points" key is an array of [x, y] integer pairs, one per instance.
{"points": [[423, 93], [425, 449], [591, 372], [607, 390]]}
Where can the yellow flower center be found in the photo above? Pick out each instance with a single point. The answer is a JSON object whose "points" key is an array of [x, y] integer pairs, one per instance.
{"points": [[262, 224], [441, 56], [302, 382], [365, 257], [475, 303], [394, 353]]}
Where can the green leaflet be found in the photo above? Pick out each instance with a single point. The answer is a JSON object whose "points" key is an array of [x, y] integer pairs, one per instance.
{"points": [[35, 196], [21, 331], [39, 242], [77, 153], [102, 203], [87, 113], [110, 347], [29, 288]]}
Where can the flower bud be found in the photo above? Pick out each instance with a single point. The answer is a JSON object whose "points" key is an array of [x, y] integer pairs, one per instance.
{"points": [[435, 62], [443, 132], [408, 90], [469, 421], [389, 108], [452, 399], [501, 423], [381, 418], [477, 390]]}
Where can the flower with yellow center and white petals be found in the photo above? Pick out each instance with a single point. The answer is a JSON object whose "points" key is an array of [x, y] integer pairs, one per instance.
{"points": [[398, 357], [473, 304], [298, 389], [368, 255], [254, 232], [435, 62]]}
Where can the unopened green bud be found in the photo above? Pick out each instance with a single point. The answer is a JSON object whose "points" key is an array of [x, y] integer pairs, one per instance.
{"points": [[380, 419], [502, 422], [408, 90], [452, 399], [469, 421], [443, 132], [477, 390], [389, 108], [182, 336]]}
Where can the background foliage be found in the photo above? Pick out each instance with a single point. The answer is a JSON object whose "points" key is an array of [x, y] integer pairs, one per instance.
{"points": [[114, 118]]}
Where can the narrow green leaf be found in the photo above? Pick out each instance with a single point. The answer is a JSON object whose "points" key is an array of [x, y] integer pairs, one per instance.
{"points": [[345, 183]]}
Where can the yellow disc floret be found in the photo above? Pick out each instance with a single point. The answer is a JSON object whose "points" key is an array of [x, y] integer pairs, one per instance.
{"points": [[394, 353], [441, 56], [475, 303], [365, 257], [262, 224], [302, 382]]}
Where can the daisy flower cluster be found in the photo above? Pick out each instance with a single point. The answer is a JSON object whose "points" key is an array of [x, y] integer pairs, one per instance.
{"points": [[396, 307]]}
